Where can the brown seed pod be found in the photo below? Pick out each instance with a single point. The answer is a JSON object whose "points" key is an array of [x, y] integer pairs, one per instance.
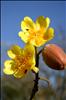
{"points": [[54, 57]]}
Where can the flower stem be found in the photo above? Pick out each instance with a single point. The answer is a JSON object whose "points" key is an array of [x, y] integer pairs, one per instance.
{"points": [[37, 78], [35, 88]]}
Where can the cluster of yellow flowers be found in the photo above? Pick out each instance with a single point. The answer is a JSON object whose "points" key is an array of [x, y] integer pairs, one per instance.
{"points": [[34, 34]]}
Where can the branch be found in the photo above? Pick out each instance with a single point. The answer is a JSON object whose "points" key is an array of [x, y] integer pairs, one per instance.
{"points": [[35, 88], [40, 52]]}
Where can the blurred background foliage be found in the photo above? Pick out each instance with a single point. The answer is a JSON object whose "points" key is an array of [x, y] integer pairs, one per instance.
{"points": [[11, 15]]}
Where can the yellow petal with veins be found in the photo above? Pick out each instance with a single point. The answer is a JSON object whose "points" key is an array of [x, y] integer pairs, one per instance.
{"points": [[16, 49], [7, 69]]}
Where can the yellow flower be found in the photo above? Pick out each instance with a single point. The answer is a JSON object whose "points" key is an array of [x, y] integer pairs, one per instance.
{"points": [[21, 61], [37, 33]]}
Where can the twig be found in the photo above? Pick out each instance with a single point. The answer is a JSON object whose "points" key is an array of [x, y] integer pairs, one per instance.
{"points": [[35, 88], [40, 52]]}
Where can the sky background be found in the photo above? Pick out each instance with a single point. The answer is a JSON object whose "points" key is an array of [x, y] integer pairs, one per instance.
{"points": [[13, 12]]}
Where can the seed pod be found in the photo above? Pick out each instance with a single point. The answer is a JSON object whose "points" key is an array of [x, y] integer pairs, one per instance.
{"points": [[54, 57]]}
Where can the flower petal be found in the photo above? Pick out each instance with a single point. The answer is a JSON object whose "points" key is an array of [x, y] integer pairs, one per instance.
{"points": [[35, 69], [24, 36], [29, 50], [40, 21], [49, 34], [39, 42], [16, 49], [7, 69], [27, 24], [43, 22], [47, 20], [31, 61], [32, 41], [19, 74], [11, 54]]}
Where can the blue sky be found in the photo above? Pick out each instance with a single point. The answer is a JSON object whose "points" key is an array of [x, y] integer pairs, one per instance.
{"points": [[12, 12]]}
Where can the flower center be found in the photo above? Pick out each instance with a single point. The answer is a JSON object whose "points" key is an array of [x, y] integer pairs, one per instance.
{"points": [[22, 63]]}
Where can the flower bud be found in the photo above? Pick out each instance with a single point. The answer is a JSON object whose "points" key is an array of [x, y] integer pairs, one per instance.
{"points": [[54, 57]]}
